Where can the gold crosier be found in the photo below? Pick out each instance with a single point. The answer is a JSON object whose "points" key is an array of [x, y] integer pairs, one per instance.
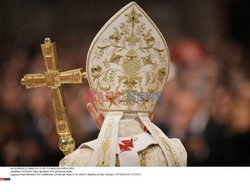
{"points": [[54, 79]]}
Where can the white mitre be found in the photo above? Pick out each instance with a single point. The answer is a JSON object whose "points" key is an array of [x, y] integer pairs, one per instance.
{"points": [[128, 62]]}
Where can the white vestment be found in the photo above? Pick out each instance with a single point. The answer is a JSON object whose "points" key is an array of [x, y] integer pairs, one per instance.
{"points": [[144, 151]]}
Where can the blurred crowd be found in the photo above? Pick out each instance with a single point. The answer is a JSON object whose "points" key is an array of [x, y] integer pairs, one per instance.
{"points": [[206, 102], [28, 134]]}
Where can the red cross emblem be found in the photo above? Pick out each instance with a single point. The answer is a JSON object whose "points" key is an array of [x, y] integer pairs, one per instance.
{"points": [[126, 145]]}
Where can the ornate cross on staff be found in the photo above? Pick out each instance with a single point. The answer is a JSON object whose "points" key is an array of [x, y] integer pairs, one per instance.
{"points": [[54, 79]]}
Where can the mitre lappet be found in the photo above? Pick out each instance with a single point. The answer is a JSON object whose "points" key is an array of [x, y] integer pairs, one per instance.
{"points": [[127, 67]]}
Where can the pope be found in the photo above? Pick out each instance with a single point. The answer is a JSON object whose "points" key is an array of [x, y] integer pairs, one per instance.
{"points": [[127, 66]]}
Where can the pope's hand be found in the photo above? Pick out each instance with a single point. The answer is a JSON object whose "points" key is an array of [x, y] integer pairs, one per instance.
{"points": [[98, 117]]}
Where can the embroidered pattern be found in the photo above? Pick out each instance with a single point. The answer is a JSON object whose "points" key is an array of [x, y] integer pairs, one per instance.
{"points": [[126, 145], [168, 148], [117, 162], [143, 158], [130, 58], [104, 153]]}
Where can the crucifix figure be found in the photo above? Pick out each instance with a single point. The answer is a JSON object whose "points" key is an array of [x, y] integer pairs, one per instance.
{"points": [[54, 79]]}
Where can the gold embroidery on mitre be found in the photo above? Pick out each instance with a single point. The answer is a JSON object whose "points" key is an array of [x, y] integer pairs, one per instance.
{"points": [[130, 56]]}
